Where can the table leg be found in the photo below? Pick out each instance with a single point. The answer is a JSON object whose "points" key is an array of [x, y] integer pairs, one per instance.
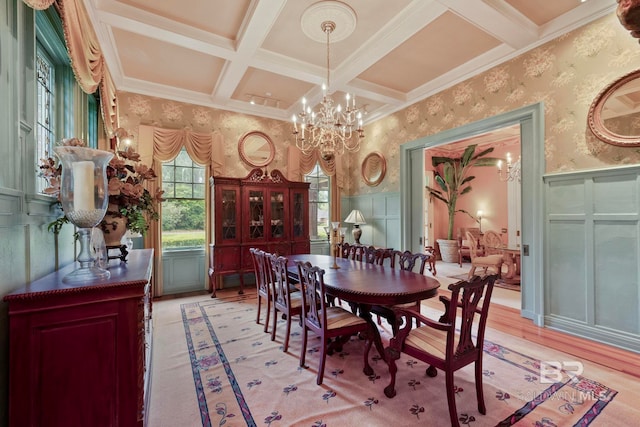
{"points": [[365, 313]]}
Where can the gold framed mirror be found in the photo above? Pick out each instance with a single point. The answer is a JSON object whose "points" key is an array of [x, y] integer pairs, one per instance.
{"points": [[256, 149], [614, 115], [374, 167]]}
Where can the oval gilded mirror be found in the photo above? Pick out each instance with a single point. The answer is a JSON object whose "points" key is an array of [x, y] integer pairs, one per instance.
{"points": [[256, 149], [614, 116], [374, 167]]}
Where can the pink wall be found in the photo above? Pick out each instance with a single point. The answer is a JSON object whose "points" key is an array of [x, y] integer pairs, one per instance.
{"points": [[488, 194]]}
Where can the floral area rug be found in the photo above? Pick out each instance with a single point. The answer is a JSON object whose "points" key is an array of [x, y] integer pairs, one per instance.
{"points": [[241, 378]]}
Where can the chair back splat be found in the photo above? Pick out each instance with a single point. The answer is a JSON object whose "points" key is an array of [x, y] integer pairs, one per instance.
{"points": [[438, 344]]}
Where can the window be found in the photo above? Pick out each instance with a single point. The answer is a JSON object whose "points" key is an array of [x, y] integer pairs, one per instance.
{"points": [[319, 207], [45, 132], [63, 110], [183, 211]]}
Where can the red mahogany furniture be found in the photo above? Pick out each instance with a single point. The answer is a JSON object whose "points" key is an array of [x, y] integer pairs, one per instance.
{"points": [[264, 211], [80, 354], [369, 284]]}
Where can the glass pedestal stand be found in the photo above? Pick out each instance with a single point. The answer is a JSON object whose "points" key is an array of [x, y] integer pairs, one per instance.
{"points": [[88, 270]]}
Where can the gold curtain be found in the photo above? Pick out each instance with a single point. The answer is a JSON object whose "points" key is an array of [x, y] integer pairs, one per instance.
{"points": [[82, 43], [157, 145], [301, 164], [109, 103]]}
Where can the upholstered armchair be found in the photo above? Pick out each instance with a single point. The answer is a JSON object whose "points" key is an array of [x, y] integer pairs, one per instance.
{"points": [[464, 248]]}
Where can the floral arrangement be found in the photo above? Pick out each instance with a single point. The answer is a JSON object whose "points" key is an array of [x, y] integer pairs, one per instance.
{"points": [[127, 196]]}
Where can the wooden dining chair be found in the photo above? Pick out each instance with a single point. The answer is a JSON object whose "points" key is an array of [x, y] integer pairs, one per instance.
{"points": [[345, 250], [431, 261], [373, 255], [440, 344], [263, 283], [492, 242], [485, 262], [326, 322], [286, 299]]}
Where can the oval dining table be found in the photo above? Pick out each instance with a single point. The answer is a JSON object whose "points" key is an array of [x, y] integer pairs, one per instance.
{"points": [[367, 285]]}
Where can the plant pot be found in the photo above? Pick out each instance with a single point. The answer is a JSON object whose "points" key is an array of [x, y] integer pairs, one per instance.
{"points": [[448, 250], [114, 228]]}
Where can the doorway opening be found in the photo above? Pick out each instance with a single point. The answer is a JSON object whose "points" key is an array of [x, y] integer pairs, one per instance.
{"points": [[530, 119], [492, 207]]}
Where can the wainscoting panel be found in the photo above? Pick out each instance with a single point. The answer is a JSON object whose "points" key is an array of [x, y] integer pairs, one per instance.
{"points": [[592, 255], [183, 271], [382, 213]]}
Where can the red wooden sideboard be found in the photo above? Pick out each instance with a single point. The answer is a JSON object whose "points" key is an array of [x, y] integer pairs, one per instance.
{"points": [[80, 354], [262, 210]]}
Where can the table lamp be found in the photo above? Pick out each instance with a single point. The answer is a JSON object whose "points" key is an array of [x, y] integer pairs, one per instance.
{"points": [[356, 218]]}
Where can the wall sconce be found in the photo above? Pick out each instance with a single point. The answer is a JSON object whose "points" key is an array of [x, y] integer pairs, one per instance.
{"points": [[479, 216], [123, 139]]}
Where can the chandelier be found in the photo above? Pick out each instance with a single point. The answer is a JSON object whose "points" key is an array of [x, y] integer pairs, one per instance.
{"points": [[327, 127], [512, 172]]}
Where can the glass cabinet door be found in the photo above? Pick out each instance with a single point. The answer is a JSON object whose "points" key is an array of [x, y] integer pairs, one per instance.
{"points": [[277, 212], [256, 217], [229, 222], [297, 214]]}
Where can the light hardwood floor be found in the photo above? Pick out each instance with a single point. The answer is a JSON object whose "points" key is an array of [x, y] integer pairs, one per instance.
{"points": [[504, 316]]}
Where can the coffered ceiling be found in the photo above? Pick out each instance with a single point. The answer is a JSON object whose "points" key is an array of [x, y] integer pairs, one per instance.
{"points": [[226, 53]]}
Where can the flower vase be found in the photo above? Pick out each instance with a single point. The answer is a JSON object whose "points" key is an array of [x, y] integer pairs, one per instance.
{"points": [[83, 194], [114, 227]]}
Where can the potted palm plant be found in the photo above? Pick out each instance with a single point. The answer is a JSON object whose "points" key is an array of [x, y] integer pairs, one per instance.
{"points": [[453, 181]]}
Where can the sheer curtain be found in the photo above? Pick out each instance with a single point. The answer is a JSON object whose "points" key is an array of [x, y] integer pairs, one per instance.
{"points": [[157, 145]]}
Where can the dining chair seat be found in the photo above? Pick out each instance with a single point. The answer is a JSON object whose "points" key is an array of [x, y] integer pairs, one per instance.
{"points": [[338, 317], [429, 340]]}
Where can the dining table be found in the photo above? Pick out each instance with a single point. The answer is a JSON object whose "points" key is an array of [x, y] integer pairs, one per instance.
{"points": [[366, 285]]}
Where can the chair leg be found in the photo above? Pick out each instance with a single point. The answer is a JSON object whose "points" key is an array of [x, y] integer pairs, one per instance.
{"points": [[259, 305], [323, 359], [275, 323], [286, 337], [303, 351], [472, 271], [451, 399], [479, 390], [266, 318]]}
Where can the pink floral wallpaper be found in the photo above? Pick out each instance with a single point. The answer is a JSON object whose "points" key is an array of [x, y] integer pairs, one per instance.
{"points": [[566, 74], [138, 110]]}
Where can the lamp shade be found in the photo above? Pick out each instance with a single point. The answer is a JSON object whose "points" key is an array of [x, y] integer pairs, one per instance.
{"points": [[355, 217]]}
